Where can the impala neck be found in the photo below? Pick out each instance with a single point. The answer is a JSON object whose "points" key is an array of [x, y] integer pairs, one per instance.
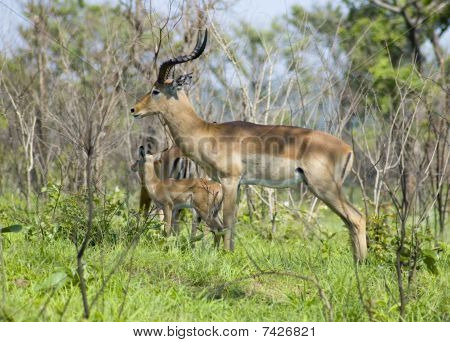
{"points": [[150, 177], [181, 118]]}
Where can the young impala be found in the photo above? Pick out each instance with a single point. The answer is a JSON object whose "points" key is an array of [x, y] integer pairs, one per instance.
{"points": [[171, 194], [239, 152], [172, 163]]}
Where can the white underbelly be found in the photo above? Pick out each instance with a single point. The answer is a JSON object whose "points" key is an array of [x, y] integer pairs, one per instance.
{"points": [[271, 183], [183, 206], [272, 172]]}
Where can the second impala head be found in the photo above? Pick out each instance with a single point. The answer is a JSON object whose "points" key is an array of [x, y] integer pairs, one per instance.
{"points": [[143, 160], [164, 92]]}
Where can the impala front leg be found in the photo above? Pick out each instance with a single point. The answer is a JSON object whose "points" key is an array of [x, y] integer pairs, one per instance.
{"points": [[144, 201], [230, 188], [168, 209]]}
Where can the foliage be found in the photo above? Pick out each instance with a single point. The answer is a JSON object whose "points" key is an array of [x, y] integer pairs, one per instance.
{"points": [[347, 69], [63, 216], [384, 241], [377, 44], [166, 280]]}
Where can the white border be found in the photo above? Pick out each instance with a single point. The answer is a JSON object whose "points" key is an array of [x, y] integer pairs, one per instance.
{"points": [[329, 332]]}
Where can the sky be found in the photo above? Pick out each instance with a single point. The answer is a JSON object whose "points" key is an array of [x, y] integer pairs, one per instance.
{"points": [[259, 12]]}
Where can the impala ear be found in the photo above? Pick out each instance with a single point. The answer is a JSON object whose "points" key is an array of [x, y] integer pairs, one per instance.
{"points": [[183, 80], [141, 152]]}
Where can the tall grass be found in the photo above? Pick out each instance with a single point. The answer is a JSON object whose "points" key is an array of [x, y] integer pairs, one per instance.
{"points": [[169, 280]]}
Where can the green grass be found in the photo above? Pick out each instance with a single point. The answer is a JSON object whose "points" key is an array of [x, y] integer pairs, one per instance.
{"points": [[166, 280]]}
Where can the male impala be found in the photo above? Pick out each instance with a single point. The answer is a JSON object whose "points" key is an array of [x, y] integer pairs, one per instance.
{"points": [[171, 194], [239, 152]]}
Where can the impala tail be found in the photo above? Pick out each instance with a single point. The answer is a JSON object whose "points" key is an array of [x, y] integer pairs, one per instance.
{"points": [[346, 166]]}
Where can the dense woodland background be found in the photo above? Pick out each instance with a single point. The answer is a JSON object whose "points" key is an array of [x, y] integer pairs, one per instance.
{"points": [[375, 73]]}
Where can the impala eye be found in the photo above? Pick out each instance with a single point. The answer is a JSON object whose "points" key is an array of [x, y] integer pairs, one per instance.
{"points": [[155, 92]]}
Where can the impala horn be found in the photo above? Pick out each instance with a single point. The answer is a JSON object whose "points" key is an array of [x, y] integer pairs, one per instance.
{"points": [[166, 67]]}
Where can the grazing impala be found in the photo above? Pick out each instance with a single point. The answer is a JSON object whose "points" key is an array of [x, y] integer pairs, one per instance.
{"points": [[171, 194], [239, 152]]}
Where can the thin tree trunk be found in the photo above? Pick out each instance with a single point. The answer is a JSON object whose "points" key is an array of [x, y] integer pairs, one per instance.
{"points": [[90, 205]]}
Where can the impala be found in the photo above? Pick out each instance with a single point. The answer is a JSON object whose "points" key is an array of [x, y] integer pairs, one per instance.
{"points": [[171, 194], [172, 164], [237, 152]]}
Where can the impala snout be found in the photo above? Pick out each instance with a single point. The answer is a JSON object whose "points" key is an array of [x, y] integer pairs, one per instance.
{"points": [[133, 112], [136, 113], [143, 107]]}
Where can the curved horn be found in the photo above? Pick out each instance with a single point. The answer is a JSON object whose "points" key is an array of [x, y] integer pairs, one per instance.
{"points": [[167, 66]]}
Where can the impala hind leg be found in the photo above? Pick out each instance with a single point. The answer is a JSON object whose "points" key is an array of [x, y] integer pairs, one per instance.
{"points": [[330, 192], [219, 235], [196, 219], [212, 222], [230, 189], [216, 227], [176, 221]]}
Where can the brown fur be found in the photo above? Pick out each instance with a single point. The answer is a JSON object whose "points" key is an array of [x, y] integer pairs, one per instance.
{"points": [[172, 163], [169, 165], [170, 194], [242, 152]]}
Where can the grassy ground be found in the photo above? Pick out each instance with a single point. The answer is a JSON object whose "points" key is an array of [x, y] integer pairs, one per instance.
{"points": [[166, 280]]}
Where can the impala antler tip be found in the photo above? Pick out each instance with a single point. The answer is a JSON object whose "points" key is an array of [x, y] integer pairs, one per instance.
{"points": [[167, 66]]}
